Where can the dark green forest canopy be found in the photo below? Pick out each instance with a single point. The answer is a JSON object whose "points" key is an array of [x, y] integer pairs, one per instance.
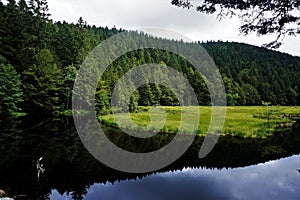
{"points": [[47, 56]]}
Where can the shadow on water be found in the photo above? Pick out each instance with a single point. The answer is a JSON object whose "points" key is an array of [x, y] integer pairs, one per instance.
{"points": [[69, 168]]}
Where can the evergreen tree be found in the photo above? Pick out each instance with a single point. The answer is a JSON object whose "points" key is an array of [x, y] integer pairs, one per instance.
{"points": [[146, 96], [43, 84], [102, 102], [51, 53], [11, 94], [134, 100], [251, 95], [69, 75]]}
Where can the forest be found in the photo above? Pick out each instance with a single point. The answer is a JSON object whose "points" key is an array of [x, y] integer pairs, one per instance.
{"points": [[40, 59]]}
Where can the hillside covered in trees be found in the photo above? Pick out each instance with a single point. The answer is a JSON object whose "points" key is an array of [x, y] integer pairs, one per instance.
{"points": [[40, 58]]}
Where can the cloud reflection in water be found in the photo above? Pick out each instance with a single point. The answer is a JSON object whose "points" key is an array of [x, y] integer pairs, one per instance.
{"points": [[273, 180]]}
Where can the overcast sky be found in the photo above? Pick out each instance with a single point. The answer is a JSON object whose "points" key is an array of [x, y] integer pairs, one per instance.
{"points": [[136, 14]]}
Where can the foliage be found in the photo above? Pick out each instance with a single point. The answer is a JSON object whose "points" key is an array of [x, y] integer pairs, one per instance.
{"points": [[48, 56], [102, 99], [43, 83], [11, 94], [279, 17], [254, 74]]}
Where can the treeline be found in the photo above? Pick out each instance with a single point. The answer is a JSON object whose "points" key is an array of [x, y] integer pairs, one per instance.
{"points": [[40, 59]]}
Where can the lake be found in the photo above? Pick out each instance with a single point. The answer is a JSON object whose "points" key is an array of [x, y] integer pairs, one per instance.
{"points": [[237, 168], [272, 180]]}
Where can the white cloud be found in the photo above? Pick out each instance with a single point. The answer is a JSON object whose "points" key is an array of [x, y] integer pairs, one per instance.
{"points": [[132, 14]]}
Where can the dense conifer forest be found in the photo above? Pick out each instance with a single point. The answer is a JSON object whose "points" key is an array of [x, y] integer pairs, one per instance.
{"points": [[40, 58]]}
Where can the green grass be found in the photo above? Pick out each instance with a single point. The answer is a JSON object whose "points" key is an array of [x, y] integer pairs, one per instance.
{"points": [[18, 114], [240, 121]]}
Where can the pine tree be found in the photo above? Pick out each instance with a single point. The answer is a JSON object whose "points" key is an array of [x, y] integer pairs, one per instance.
{"points": [[39, 8], [11, 94], [102, 99], [43, 84], [69, 75]]}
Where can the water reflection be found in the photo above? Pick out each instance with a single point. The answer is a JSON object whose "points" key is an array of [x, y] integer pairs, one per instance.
{"points": [[272, 180], [71, 170]]}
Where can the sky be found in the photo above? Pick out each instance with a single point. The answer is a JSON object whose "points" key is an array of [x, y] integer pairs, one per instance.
{"points": [[137, 14]]}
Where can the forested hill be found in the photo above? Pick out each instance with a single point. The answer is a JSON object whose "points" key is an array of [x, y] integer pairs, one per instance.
{"points": [[262, 74], [40, 58]]}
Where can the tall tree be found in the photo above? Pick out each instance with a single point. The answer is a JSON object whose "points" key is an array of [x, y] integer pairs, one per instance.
{"points": [[43, 84], [39, 8], [102, 98], [251, 95], [11, 94], [69, 75], [24, 32]]}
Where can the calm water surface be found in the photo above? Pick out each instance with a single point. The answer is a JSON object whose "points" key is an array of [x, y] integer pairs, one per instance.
{"points": [[237, 168], [272, 180]]}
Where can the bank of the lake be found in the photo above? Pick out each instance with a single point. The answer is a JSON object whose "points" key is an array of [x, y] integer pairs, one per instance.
{"points": [[247, 121]]}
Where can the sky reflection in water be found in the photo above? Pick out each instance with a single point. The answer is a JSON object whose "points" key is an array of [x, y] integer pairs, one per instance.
{"points": [[273, 180]]}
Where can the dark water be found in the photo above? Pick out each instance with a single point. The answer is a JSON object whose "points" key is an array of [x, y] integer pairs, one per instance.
{"points": [[231, 171], [272, 180]]}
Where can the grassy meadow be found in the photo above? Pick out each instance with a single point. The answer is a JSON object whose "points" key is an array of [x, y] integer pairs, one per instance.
{"points": [[256, 121]]}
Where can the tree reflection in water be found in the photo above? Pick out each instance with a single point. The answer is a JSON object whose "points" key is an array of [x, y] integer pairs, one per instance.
{"points": [[70, 169]]}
